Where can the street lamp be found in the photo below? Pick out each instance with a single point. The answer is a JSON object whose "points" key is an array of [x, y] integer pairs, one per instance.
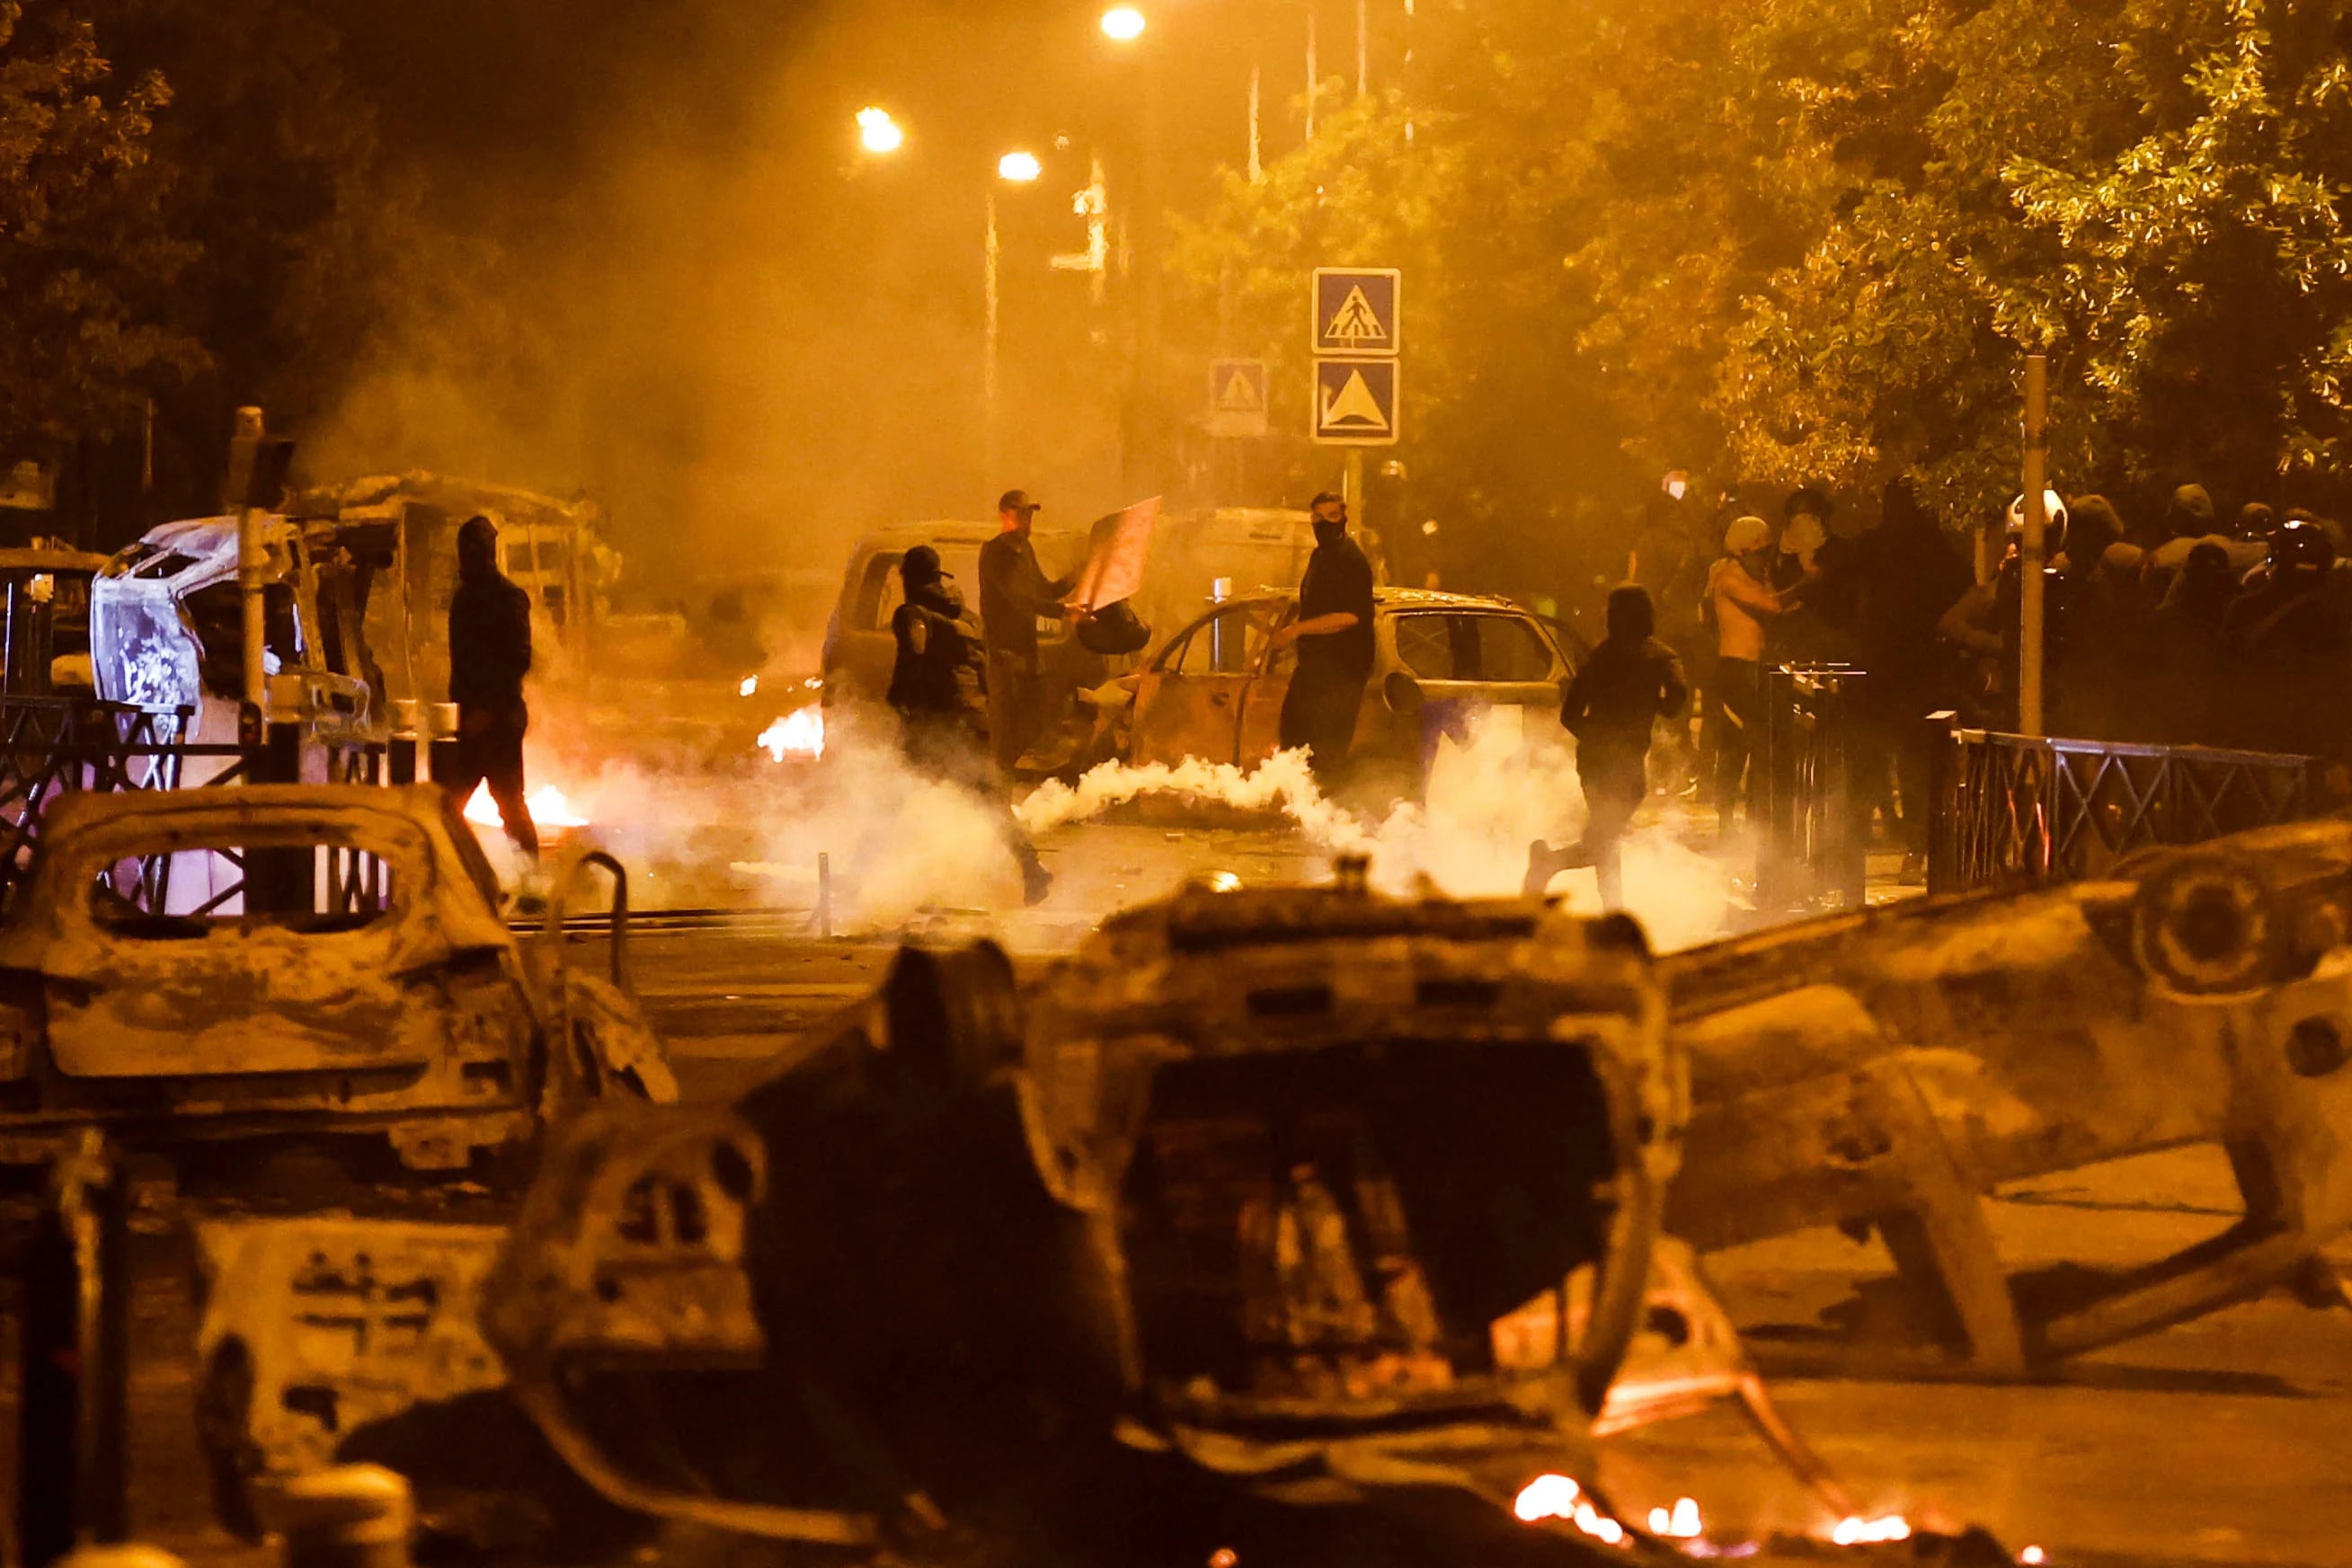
{"points": [[1122, 24], [876, 131], [1019, 168]]}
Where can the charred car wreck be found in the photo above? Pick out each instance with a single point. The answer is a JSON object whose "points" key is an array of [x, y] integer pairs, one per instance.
{"points": [[1174, 1242], [1887, 1071], [208, 963]]}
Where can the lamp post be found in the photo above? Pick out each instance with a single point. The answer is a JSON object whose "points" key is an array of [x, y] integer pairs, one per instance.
{"points": [[1013, 169]]}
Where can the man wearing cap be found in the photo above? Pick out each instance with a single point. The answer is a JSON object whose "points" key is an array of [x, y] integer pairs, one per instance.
{"points": [[1334, 633], [1739, 601], [1014, 593], [935, 688], [489, 653]]}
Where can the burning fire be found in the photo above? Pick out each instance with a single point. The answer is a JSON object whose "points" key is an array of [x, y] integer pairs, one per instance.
{"points": [[1856, 1530], [748, 687], [1557, 1496], [800, 733], [549, 807], [1681, 1523]]}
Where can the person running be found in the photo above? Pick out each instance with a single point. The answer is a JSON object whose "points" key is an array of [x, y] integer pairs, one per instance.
{"points": [[1630, 681]]}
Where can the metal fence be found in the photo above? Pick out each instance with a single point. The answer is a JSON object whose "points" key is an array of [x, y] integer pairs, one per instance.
{"points": [[51, 746], [2012, 808], [1810, 812]]}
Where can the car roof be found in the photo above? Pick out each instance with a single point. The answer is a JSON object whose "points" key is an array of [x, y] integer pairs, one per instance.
{"points": [[1432, 599], [949, 531], [1399, 599]]}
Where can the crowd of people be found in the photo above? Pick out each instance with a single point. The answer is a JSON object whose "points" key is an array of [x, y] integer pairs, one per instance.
{"points": [[2169, 628]]}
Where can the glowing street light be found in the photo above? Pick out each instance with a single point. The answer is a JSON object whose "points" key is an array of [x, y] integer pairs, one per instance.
{"points": [[1122, 24], [877, 133], [1020, 168]]}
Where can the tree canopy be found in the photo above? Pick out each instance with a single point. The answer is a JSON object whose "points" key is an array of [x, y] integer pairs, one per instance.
{"points": [[1812, 240]]}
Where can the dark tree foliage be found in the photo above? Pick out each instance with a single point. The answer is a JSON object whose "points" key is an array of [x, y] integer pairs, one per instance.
{"points": [[1813, 239]]}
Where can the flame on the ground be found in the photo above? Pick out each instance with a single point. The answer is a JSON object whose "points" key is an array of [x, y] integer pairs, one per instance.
{"points": [[2032, 1556], [1681, 1521], [748, 687], [1558, 1497], [1856, 1530], [800, 733], [549, 807]]}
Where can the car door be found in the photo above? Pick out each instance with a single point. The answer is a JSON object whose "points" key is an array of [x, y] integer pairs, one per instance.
{"points": [[1466, 659], [1190, 699]]}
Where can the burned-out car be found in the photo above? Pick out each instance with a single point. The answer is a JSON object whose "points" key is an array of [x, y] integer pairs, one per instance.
{"points": [[206, 964], [1192, 1224], [1216, 690]]}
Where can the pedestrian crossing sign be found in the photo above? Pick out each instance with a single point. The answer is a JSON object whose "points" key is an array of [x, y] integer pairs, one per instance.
{"points": [[1356, 402], [1356, 310], [1236, 398]]}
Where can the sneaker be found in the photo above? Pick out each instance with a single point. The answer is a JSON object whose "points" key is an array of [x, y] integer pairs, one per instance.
{"points": [[1036, 881]]}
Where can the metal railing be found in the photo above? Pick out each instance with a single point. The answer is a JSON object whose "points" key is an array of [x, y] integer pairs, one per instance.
{"points": [[52, 745], [2010, 809], [1812, 816]]}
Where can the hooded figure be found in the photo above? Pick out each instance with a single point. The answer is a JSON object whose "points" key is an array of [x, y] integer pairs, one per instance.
{"points": [[489, 653], [936, 678], [1630, 681], [938, 687], [2190, 514]]}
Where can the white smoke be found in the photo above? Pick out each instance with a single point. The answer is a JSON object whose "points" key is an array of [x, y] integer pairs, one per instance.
{"points": [[1469, 838]]}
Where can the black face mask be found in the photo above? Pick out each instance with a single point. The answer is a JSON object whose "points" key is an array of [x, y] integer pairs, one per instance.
{"points": [[941, 595], [1329, 533]]}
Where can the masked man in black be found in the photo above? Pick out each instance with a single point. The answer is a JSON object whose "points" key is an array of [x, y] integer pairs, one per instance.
{"points": [[489, 653], [1334, 633], [938, 686]]}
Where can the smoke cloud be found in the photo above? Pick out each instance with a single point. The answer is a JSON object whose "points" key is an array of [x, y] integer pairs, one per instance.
{"points": [[1485, 803]]}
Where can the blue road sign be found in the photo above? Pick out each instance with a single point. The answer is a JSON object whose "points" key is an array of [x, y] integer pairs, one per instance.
{"points": [[1236, 398], [1356, 309], [1355, 403]]}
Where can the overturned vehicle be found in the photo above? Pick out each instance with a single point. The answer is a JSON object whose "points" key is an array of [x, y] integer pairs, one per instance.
{"points": [[1177, 1241], [199, 964], [1887, 1073]]}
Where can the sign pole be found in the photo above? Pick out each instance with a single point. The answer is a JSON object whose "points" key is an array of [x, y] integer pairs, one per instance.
{"points": [[1352, 486], [2034, 547]]}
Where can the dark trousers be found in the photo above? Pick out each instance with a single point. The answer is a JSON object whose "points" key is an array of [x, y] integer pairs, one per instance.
{"points": [[1615, 784], [944, 747], [1738, 707], [1016, 705], [1318, 712], [489, 750]]}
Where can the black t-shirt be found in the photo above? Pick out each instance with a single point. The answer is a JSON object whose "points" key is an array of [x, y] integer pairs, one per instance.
{"points": [[1339, 580]]}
